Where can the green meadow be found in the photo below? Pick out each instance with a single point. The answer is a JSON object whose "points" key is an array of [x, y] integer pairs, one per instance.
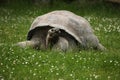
{"points": [[28, 64]]}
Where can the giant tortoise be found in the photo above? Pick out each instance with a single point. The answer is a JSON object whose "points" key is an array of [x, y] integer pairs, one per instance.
{"points": [[61, 30]]}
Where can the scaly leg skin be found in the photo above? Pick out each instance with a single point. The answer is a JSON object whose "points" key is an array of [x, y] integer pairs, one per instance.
{"points": [[101, 47], [25, 44], [61, 45]]}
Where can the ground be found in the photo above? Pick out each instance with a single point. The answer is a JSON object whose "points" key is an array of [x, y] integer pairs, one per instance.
{"points": [[28, 64]]}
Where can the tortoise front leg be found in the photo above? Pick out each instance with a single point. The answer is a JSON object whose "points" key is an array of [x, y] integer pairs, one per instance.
{"points": [[25, 44]]}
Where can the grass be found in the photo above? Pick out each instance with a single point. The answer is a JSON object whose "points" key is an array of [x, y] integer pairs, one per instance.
{"points": [[29, 64]]}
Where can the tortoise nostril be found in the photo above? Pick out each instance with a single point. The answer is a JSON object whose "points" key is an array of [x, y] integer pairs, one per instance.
{"points": [[59, 31]]}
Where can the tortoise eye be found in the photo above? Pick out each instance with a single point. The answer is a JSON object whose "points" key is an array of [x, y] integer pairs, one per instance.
{"points": [[52, 30]]}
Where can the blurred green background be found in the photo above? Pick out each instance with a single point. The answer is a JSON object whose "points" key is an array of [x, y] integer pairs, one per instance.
{"points": [[16, 63]]}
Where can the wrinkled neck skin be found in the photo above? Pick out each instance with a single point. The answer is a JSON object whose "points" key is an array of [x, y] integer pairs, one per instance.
{"points": [[50, 41]]}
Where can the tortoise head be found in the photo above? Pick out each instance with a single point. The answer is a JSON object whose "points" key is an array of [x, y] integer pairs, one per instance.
{"points": [[54, 32]]}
